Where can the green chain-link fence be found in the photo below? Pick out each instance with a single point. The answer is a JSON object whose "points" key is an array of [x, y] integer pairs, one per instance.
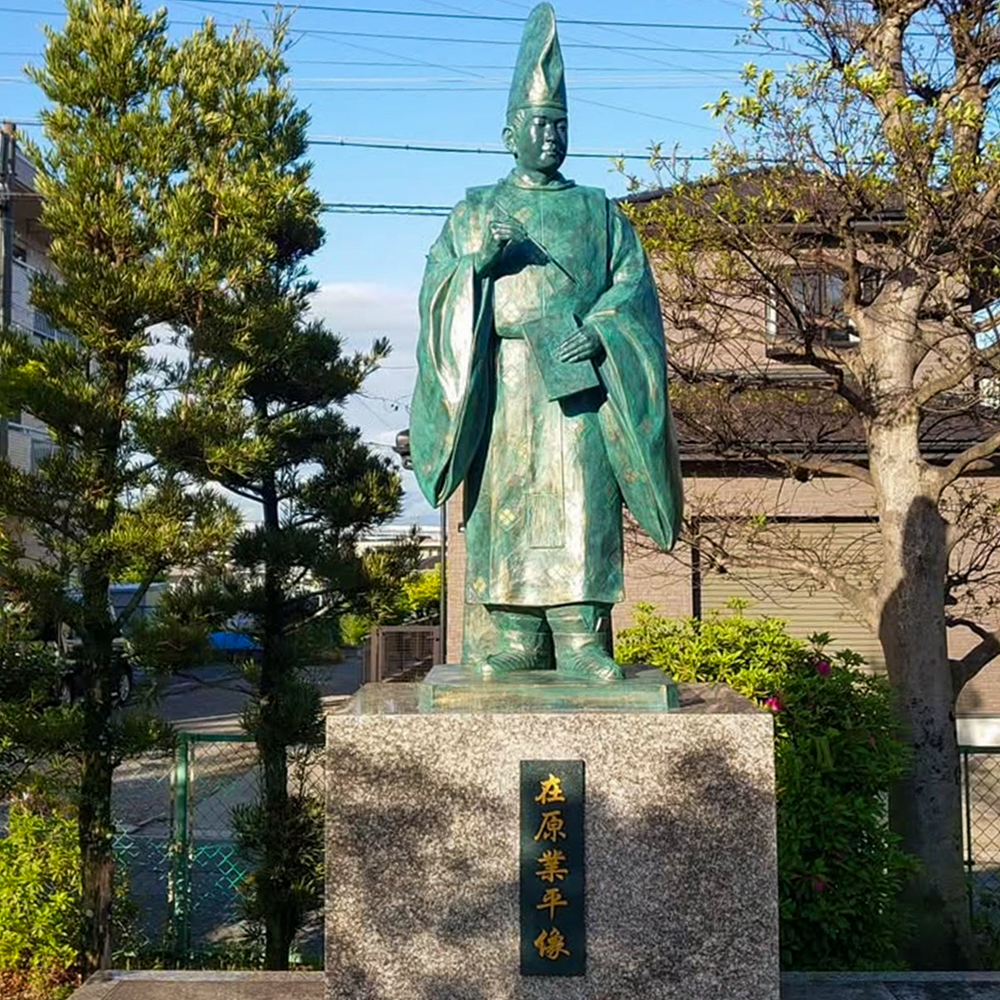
{"points": [[981, 816], [141, 806], [174, 818], [176, 841]]}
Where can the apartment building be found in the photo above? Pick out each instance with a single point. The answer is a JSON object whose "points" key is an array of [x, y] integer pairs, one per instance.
{"points": [[24, 247]]}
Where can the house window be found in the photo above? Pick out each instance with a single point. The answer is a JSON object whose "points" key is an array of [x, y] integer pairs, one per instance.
{"points": [[814, 303], [42, 447]]}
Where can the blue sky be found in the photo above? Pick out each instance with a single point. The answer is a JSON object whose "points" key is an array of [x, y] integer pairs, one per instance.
{"points": [[412, 77]]}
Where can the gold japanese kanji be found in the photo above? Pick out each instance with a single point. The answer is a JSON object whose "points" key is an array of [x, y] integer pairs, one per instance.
{"points": [[551, 826], [551, 790], [551, 944], [551, 901], [552, 862]]}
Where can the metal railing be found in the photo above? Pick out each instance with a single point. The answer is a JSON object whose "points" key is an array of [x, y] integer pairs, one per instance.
{"points": [[981, 817], [401, 652], [176, 839]]}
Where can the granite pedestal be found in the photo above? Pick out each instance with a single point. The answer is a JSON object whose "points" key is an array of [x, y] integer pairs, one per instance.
{"points": [[423, 849]]}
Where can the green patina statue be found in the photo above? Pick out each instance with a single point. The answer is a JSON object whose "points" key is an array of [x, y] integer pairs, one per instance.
{"points": [[542, 387]]}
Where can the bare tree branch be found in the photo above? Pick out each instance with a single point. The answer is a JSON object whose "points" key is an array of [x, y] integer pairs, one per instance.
{"points": [[860, 599], [955, 468], [955, 375], [963, 670], [846, 470]]}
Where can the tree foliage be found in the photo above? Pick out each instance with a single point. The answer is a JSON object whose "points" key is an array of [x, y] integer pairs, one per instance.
{"points": [[33, 726], [260, 414], [150, 146], [837, 751], [831, 286]]}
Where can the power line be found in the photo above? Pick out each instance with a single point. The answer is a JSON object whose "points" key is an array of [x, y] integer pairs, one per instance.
{"points": [[484, 150], [467, 17], [364, 208], [430, 146], [509, 19], [448, 39], [402, 145], [497, 67], [442, 88], [506, 67], [680, 77]]}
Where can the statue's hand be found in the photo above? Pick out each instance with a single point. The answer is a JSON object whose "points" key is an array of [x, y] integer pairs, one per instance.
{"points": [[499, 233], [580, 345]]}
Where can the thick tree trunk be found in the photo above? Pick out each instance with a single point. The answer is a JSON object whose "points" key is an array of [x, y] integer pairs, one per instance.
{"points": [[925, 806], [97, 860], [280, 922], [96, 829]]}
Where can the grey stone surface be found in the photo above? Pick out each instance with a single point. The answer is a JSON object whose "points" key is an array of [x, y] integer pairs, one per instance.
{"points": [[163, 985], [309, 986], [422, 851]]}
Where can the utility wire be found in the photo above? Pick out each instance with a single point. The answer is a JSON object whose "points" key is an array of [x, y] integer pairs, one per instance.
{"points": [[336, 88], [431, 38], [449, 39], [430, 147], [510, 19], [582, 22], [363, 208], [497, 67], [403, 145]]}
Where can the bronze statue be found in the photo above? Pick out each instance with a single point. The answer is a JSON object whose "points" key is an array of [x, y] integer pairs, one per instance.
{"points": [[542, 387]]}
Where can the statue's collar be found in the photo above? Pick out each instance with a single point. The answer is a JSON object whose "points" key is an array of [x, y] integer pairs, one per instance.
{"points": [[558, 183]]}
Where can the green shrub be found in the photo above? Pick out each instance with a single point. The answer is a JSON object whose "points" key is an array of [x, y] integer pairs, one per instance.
{"points": [[354, 629], [39, 893], [40, 904], [33, 730], [836, 753], [422, 595]]}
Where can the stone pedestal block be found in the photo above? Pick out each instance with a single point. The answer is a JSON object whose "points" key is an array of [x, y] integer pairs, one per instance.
{"points": [[423, 850]]}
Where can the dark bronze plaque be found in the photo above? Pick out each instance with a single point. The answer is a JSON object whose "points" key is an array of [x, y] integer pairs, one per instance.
{"points": [[553, 932]]}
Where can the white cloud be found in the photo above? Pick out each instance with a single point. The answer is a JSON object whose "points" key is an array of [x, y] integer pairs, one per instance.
{"points": [[363, 311], [360, 312]]}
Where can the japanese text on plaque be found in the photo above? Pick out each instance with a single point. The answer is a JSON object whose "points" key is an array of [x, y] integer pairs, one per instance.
{"points": [[553, 941]]}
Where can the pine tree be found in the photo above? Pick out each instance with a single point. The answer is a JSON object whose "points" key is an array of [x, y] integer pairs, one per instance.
{"points": [[261, 417], [117, 194]]}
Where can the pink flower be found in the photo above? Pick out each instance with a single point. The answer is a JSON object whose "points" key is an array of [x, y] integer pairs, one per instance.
{"points": [[818, 884], [773, 704], [823, 667]]}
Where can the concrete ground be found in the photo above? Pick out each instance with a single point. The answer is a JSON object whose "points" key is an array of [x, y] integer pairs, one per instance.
{"points": [[309, 986]]}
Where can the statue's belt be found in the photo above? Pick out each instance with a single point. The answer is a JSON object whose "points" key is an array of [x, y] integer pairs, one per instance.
{"points": [[557, 325]]}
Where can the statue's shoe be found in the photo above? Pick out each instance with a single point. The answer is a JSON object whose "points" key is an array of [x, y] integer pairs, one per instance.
{"points": [[511, 661], [583, 656]]}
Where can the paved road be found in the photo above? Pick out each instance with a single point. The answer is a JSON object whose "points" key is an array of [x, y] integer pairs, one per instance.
{"points": [[220, 775], [210, 699]]}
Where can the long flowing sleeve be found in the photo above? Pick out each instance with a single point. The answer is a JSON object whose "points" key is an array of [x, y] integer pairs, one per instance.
{"points": [[451, 401], [635, 419]]}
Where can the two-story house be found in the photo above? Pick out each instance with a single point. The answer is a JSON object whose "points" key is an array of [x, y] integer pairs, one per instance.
{"points": [[732, 476]]}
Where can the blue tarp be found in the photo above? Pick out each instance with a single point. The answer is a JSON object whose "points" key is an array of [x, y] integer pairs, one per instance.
{"points": [[232, 642]]}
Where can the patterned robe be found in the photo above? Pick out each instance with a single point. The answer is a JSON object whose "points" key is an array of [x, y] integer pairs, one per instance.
{"points": [[544, 479]]}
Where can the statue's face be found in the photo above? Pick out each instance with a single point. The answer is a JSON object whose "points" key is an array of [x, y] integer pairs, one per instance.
{"points": [[539, 140]]}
